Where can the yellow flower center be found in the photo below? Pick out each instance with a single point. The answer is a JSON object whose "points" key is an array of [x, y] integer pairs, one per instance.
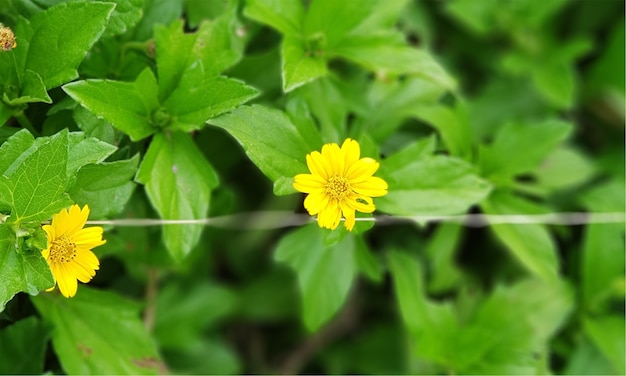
{"points": [[338, 187], [62, 250]]}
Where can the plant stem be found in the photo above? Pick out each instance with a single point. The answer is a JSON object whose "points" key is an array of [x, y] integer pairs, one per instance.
{"points": [[25, 123]]}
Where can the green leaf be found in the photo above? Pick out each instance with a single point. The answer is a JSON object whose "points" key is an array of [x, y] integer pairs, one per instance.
{"points": [[520, 147], [105, 187], [184, 311], [531, 244], [452, 124], [332, 119], [300, 63], [22, 347], [199, 98], [85, 150], [511, 328], [178, 180], [565, 167], [367, 262], [156, 12], [12, 149], [35, 189], [441, 251], [284, 16], [59, 38], [556, 82], [333, 20], [269, 139], [87, 330], [128, 106], [21, 270], [608, 334], [33, 90], [436, 185], [125, 15], [602, 266], [325, 274], [389, 53], [213, 47], [204, 356]]}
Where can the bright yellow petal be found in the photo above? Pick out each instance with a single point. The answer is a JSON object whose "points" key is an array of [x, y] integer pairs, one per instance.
{"points": [[372, 187], [314, 202], [363, 204], [88, 258], [307, 183], [66, 281], [83, 272], [334, 159], [351, 153], [60, 222], [331, 215], [316, 164], [349, 215], [89, 237], [50, 232], [361, 170]]}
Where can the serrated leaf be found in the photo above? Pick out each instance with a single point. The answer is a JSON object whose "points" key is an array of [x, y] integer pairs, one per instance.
{"points": [[335, 19], [436, 185], [178, 180], [125, 15], [191, 309], [325, 274], [519, 148], [452, 124], [198, 98], [59, 38], [33, 91], [23, 346], [269, 138], [21, 270], [531, 244], [12, 148], [105, 187], [35, 189], [299, 64], [128, 106], [99, 332], [284, 16], [389, 53], [85, 150]]}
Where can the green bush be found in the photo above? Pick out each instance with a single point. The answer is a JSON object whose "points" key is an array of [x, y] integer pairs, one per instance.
{"points": [[189, 128]]}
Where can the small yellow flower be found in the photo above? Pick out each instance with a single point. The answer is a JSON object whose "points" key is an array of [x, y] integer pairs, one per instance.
{"points": [[339, 183], [69, 252]]}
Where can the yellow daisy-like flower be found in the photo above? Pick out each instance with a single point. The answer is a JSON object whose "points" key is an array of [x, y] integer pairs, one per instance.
{"points": [[69, 252], [339, 184]]}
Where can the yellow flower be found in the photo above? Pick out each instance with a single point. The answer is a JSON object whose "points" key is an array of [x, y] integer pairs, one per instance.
{"points": [[69, 252], [339, 183]]}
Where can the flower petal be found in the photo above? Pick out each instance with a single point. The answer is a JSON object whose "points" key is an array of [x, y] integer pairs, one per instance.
{"points": [[372, 187], [82, 272], [66, 281], [351, 153], [361, 170], [331, 215], [307, 183], [334, 159], [361, 203], [89, 237], [88, 258], [317, 165], [315, 202], [349, 215]]}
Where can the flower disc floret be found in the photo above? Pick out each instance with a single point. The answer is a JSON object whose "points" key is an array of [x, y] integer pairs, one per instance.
{"points": [[69, 252], [340, 183]]}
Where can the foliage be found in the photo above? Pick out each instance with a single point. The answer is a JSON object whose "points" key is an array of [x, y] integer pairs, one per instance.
{"points": [[190, 109]]}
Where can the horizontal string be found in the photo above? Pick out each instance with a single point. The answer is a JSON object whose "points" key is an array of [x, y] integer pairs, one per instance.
{"points": [[267, 220]]}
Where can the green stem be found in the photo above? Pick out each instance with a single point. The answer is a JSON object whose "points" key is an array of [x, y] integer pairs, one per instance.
{"points": [[25, 123]]}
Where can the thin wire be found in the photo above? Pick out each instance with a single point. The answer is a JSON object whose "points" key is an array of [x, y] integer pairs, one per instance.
{"points": [[269, 220]]}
